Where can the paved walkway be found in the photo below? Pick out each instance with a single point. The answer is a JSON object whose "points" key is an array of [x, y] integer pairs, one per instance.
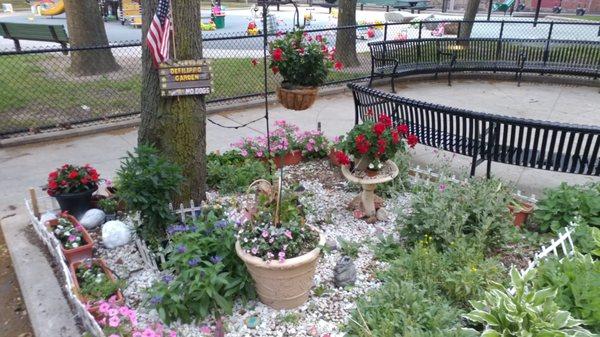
{"points": [[27, 166]]}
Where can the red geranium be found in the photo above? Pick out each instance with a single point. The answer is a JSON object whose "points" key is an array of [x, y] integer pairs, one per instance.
{"points": [[275, 69], [381, 146], [72, 179], [403, 129], [52, 184], [379, 128], [385, 120], [338, 65], [342, 158], [412, 140], [73, 174], [277, 54], [395, 136], [362, 144]]}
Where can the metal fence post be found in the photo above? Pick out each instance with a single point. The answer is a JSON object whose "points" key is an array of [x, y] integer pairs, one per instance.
{"points": [[547, 47], [419, 44], [499, 45]]}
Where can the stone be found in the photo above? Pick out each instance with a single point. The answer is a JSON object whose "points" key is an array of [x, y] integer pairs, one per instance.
{"points": [[252, 322], [115, 233], [382, 214], [92, 218], [331, 244], [344, 272]]}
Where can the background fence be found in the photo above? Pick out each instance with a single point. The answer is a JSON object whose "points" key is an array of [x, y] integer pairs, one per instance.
{"points": [[38, 91]]}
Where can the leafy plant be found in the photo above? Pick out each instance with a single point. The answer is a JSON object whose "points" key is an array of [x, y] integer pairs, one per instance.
{"points": [[349, 248], [231, 172], [524, 312], [561, 205], [577, 281], [72, 179], [148, 183], [320, 290], [313, 144], [289, 318], [69, 232], [108, 205], [203, 274], [94, 284], [447, 212]]}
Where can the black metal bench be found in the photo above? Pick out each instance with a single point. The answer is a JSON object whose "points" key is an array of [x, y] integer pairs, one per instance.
{"points": [[487, 137], [34, 32], [397, 58]]}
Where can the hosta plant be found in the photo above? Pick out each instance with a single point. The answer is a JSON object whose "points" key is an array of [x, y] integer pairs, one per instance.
{"points": [[523, 311]]}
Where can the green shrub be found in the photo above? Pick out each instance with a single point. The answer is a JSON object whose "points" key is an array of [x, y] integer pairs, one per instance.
{"points": [[524, 312], [231, 172], [561, 205], [203, 274], [147, 184], [446, 212], [577, 280]]}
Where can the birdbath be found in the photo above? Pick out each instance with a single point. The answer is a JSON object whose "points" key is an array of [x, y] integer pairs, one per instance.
{"points": [[368, 184]]}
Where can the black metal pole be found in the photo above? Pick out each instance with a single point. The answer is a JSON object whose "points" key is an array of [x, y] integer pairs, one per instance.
{"points": [[537, 12], [490, 9], [265, 7]]}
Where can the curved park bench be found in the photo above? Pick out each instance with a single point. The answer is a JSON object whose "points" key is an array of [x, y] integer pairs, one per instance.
{"points": [[486, 137], [34, 32], [397, 58]]}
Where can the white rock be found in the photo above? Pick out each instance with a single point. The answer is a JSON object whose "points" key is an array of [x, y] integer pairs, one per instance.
{"points": [[115, 233], [92, 218]]}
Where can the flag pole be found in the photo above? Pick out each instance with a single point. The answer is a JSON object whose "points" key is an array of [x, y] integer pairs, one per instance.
{"points": [[173, 29]]}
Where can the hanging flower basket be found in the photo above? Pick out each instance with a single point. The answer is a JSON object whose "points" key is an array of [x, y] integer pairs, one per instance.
{"points": [[298, 99]]}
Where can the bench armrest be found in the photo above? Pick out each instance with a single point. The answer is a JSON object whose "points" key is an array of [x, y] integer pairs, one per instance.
{"points": [[522, 59]]}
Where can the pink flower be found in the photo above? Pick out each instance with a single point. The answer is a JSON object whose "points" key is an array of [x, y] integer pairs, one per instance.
{"points": [[113, 312], [281, 256], [104, 307], [124, 311], [442, 187], [172, 334], [270, 255], [114, 321], [254, 250], [205, 330], [259, 154], [265, 233], [288, 234], [148, 333], [244, 153], [137, 334]]}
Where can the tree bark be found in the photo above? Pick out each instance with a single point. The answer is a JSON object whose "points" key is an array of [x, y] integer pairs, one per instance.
{"points": [[176, 126], [86, 29], [470, 14], [345, 41]]}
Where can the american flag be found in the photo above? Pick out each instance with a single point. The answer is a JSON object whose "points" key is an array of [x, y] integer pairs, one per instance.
{"points": [[159, 33]]}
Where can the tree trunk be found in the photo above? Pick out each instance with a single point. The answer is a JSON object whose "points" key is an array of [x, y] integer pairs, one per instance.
{"points": [[470, 14], [345, 41], [86, 29], [176, 126]]}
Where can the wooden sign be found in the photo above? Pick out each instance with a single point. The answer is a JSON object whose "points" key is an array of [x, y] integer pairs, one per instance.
{"points": [[184, 78]]}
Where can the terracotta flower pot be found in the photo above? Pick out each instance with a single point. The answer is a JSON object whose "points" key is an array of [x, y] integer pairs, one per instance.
{"points": [[371, 173], [283, 285], [76, 203], [300, 98], [333, 157], [522, 214], [290, 158], [76, 289], [80, 253]]}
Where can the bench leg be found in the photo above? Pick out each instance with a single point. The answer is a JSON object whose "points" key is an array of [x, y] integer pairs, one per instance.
{"points": [[449, 78], [393, 86], [17, 45], [370, 81], [489, 168], [473, 165]]}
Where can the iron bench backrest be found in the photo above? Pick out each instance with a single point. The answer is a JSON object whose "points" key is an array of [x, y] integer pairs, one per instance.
{"points": [[35, 32]]}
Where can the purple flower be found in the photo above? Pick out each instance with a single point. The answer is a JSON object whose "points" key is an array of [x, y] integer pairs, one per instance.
{"points": [[193, 262], [281, 256], [216, 259], [254, 250], [288, 234], [265, 233], [442, 187], [221, 224], [156, 299], [167, 278], [181, 249]]}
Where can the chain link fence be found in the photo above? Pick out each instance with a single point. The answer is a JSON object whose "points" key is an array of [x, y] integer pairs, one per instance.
{"points": [[38, 90]]}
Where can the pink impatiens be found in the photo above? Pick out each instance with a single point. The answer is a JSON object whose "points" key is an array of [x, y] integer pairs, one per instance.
{"points": [[121, 321]]}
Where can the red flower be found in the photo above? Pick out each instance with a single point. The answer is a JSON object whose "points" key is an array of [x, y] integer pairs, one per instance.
{"points": [[324, 49], [63, 183], [275, 69], [395, 136], [403, 129], [52, 185], [338, 65], [73, 174], [300, 51], [342, 158], [254, 62], [277, 54], [85, 180], [362, 144], [370, 112], [53, 175], [412, 140], [379, 128], [381, 145], [319, 38], [279, 33], [386, 120]]}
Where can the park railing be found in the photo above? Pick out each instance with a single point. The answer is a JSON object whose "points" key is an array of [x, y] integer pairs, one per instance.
{"points": [[39, 90]]}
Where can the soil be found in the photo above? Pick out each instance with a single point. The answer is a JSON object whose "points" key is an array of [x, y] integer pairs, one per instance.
{"points": [[14, 319]]}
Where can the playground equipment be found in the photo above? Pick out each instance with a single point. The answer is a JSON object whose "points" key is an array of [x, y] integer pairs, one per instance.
{"points": [[503, 7], [252, 29], [131, 12], [51, 8]]}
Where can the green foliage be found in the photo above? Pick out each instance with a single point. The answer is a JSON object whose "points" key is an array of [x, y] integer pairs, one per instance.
{"points": [[349, 248], [148, 183], [401, 183], [203, 273], [577, 280], [108, 205], [563, 204], [320, 290], [230, 172], [526, 312], [387, 249], [447, 212], [94, 284], [289, 318]]}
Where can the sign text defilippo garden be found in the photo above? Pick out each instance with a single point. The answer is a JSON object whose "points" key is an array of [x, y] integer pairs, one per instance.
{"points": [[183, 78]]}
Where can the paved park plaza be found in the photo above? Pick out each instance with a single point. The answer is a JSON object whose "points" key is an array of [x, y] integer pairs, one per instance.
{"points": [[423, 183]]}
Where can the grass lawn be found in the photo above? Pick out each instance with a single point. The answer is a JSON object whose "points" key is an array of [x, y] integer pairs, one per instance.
{"points": [[585, 17]]}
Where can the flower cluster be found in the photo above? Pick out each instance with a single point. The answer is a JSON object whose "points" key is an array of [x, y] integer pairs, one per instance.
{"points": [[376, 141], [69, 232], [121, 321], [301, 59], [312, 143], [72, 179], [94, 282]]}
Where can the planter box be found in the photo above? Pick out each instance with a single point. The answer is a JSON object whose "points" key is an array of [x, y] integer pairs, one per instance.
{"points": [[290, 158], [76, 254], [76, 289]]}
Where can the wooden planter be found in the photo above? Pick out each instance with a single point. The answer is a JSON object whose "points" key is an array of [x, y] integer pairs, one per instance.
{"points": [[523, 213], [297, 99], [76, 289], [76, 254]]}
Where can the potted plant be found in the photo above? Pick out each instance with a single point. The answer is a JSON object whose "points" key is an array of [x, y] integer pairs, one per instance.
{"points": [[73, 186], [303, 62], [94, 282], [109, 206], [313, 144], [280, 250], [373, 142], [520, 210], [335, 150], [75, 242]]}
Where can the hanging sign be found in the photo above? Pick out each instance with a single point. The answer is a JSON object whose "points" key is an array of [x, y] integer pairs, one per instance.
{"points": [[184, 78]]}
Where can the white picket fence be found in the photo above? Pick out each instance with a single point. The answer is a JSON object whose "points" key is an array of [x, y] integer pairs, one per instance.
{"points": [[564, 241]]}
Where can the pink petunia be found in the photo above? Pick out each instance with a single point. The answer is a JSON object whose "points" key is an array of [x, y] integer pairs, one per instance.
{"points": [[288, 234], [104, 307], [114, 321]]}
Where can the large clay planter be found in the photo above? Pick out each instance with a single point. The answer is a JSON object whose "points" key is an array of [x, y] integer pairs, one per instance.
{"points": [[76, 203], [76, 254], [99, 262], [288, 159], [283, 285], [297, 99], [522, 215]]}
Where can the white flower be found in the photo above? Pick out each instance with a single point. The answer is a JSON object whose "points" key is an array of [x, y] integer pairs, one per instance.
{"points": [[75, 245]]}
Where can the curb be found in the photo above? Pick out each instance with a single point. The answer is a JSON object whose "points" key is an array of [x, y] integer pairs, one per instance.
{"points": [[48, 310]]}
